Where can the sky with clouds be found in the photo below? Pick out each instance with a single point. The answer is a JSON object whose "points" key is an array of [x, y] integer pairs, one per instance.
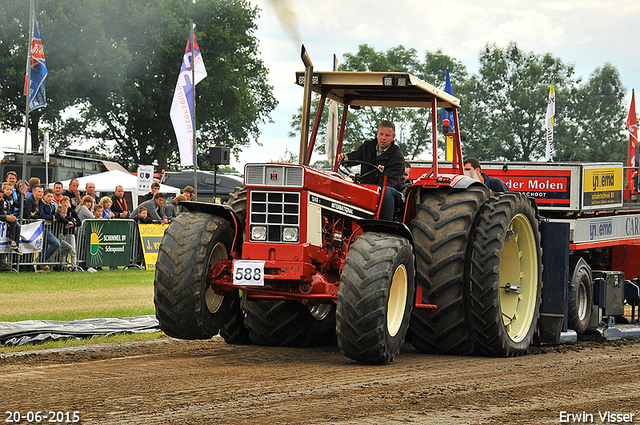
{"points": [[586, 33]]}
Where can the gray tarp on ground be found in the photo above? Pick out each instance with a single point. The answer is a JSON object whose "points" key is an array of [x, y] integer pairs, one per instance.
{"points": [[29, 331]]}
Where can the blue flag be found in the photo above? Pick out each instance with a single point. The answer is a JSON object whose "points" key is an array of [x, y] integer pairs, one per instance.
{"points": [[34, 86], [449, 112]]}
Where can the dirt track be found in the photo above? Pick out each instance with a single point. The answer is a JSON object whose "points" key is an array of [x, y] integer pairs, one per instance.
{"points": [[171, 381]]}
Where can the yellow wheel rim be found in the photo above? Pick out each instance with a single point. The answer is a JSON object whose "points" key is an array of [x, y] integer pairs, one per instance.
{"points": [[397, 300], [518, 278], [214, 301]]}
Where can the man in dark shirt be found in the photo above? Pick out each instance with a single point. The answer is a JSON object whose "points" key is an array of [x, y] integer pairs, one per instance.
{"points": [[472, 165], [382, 151]]}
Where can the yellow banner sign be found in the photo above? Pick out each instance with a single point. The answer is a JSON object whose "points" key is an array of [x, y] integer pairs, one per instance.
{"points": [[151, 236], [602, 186]]}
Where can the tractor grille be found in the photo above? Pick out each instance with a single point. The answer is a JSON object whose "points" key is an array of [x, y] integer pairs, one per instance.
{"points": [[274, 175], [276, 211]]}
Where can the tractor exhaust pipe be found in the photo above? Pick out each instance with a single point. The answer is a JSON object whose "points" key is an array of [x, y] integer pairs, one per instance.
{"points": [[306, 105]]}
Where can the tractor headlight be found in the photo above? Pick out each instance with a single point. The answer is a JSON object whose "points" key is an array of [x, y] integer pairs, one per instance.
{"points": [[290, 234], [258, 233]]}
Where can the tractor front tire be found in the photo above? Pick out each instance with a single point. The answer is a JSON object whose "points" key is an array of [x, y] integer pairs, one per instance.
{"points": [[506, 275], [375, 298], [186, 307], [233, 331], [580, 296]]}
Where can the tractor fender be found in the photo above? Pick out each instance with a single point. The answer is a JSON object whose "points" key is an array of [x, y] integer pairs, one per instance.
{"points": [[223, 211], [393, 227]]}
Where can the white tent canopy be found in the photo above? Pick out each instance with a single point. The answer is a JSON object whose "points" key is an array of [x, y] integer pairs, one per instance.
{"points": [[106, 183]]}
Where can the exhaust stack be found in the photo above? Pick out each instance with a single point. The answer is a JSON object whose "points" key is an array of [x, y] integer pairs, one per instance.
{"points": [[306, 105]]}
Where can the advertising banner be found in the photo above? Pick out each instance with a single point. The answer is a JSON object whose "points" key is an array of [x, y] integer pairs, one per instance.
{"points": [[31, 237], [150, 237], [108, 243]]}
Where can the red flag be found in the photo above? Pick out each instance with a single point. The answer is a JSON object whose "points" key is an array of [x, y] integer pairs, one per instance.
{"points": [[632, 126]]}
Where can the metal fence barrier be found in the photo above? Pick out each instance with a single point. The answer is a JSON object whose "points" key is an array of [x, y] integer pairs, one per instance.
{"points": [[63, 258]]}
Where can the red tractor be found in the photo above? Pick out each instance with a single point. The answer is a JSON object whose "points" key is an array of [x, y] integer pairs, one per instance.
{"points": [[299, 256]]}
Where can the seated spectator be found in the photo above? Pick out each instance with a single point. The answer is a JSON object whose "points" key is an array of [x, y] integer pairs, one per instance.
{"points": [[84, 209], [97, 212], [155, 188], [142, 216], [119, 203], [66, 235], [105, 203], [171, 210]]}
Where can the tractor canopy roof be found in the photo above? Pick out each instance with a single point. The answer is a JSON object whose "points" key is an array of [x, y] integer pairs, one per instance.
{"points": [[391, 89]]}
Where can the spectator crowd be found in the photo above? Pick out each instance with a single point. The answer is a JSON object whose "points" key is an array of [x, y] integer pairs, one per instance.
{"points": [[70, 207]]}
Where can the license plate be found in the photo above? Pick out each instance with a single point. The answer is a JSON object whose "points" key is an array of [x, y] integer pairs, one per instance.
{"points": [[248, 273]]}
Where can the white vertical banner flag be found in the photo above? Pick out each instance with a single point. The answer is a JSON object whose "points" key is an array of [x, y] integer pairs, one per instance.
{"points": [[551, 112], [182, 104], [145, 178], [45, 146]]}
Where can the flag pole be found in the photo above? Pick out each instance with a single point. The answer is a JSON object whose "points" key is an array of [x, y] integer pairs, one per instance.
{"points": [[193, 92], [32, 12]]}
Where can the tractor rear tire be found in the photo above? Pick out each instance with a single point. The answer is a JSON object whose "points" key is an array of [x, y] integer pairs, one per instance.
{"points": [[238, 201], [441, 234], [233, 330], [375, 298], [289, 323], [580, 296], [186, 307], [506, 275]]}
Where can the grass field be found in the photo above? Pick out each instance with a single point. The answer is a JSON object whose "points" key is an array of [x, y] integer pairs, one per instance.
{"points": [[71, 296]]}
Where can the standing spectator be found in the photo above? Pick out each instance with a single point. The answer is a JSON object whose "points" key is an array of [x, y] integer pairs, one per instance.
{"points": [[66, 235], [84, 209], [142, 216], [472, 166], [12, 178], [189, 193], [90, 190], [33, 182], [57, 192], [35, 206], [171, 210], [105, 203], [69, 232], [154, 209], [73, 193], [97, 212], [119, 203], [155, 188], [6, 214]]}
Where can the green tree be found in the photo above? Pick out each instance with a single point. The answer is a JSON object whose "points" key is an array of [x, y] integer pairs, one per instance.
{"points": [[116, 64], [507, 103]]}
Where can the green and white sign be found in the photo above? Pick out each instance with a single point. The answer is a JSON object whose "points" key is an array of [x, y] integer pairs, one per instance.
{"points": [[108, 243]]}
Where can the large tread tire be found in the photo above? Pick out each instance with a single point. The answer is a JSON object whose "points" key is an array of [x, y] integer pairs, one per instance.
{"points": [[238, 201], [441, 233], [288, 324], [506, 258], [186, 307], [375, 298], [233, 330], [580, 297]]}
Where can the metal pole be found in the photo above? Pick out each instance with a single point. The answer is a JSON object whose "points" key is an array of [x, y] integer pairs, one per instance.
{"points": [[26, 112], [192, 38]]}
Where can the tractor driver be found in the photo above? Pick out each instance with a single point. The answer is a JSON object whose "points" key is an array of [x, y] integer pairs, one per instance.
{"points": [[383, 151]]}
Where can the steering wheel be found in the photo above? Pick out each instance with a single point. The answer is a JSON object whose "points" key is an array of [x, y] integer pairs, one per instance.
{"points": [[345, 167]]}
